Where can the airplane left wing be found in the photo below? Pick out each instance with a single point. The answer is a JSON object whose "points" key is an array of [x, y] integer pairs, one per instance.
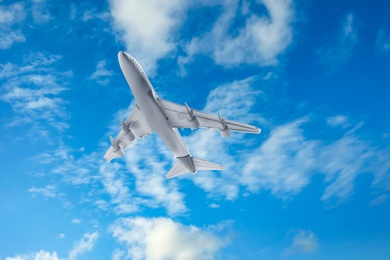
{"points": [[184, 117], [133, 128]]}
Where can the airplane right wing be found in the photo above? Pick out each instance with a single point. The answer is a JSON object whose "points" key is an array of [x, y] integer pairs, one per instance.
{"points": [[135, 127], [183, 117]]}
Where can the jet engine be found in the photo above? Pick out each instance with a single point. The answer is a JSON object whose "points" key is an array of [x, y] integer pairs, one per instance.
{"points": [[223, 128], [116, 148], [128, 134], [191, 118]]}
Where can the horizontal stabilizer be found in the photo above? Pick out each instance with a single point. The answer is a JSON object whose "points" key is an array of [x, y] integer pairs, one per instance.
{"points": [[200, 165], [177, 170]]}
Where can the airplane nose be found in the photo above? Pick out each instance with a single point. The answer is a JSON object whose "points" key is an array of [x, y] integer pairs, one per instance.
{"points": [[121, 55]]}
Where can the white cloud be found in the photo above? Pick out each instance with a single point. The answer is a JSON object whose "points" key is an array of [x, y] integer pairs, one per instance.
{"points": [[41, 255], [61, 235], [76, 221], [11, 16], [382, 41], [162, 238], [49, 191], [118, 255], [214, 205], [338, 52], [101, 74], [303, 242], [9, 38], [84, 245], [148, 28], [261, 39]]}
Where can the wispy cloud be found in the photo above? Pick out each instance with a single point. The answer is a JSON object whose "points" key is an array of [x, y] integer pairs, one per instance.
{"points": [[84, 245], [11, 18], [40, 12], [379, 200], [102, 74], [33, 90], [382, 41], [304, 242], [130, 187], [260, 40], [339, 120], [337, 52], [49, 191], [76, 221], [162, 238]]}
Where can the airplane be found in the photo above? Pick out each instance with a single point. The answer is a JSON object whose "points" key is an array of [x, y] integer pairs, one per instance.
{"points": [[154, 114]]}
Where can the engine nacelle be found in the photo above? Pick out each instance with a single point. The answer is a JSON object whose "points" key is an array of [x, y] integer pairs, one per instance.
{"points": [[116, 148], [223, 128], [191, 118], [128, 134], [225, 132], [120, 153]]}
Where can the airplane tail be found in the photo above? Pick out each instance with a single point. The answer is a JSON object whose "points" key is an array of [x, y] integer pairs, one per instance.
{"points": [[200, 165]]}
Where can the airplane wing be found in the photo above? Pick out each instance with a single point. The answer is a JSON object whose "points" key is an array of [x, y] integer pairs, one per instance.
{"points": [[138, 126], [178, 117]]}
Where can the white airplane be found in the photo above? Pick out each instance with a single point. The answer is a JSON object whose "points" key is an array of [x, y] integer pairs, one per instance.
{"points": [[153, 114]]}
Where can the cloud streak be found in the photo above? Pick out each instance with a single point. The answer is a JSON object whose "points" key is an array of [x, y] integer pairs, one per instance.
{"points": [[382, 43], [84, 245], [336, 54]]}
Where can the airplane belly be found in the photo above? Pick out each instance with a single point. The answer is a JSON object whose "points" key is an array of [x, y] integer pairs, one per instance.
{"points": [[152, 112], [159, 124]]}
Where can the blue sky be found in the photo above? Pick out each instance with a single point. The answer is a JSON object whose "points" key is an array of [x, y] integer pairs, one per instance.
{"points": [[313, 75]]}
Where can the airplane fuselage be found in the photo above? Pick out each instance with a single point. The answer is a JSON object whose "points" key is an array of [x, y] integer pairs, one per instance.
{"points": [[146, 99]]}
